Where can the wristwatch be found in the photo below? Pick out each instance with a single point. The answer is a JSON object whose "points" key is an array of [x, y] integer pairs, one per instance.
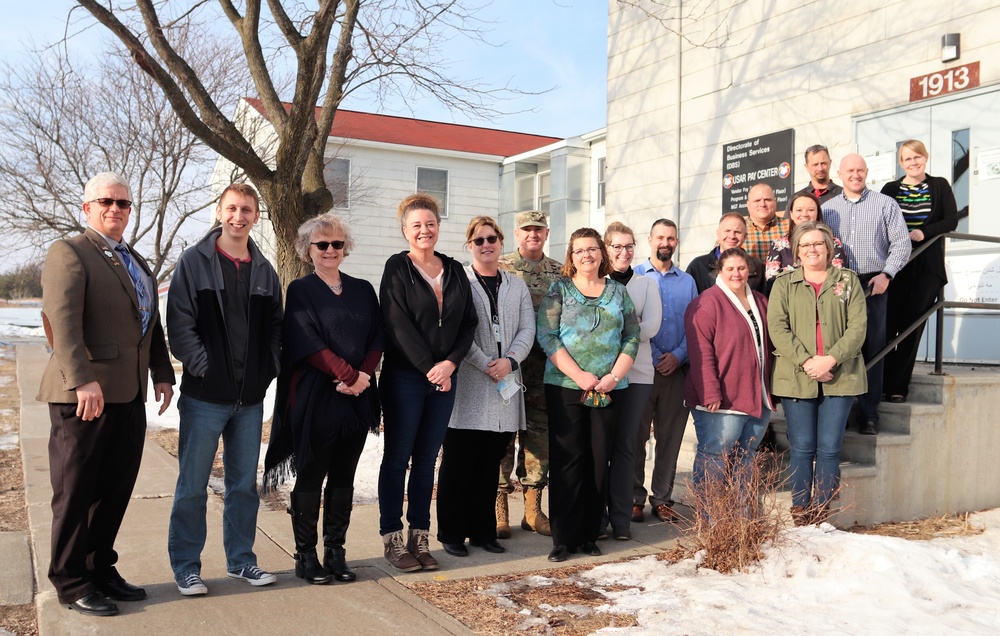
{"points": [[615, 377]]}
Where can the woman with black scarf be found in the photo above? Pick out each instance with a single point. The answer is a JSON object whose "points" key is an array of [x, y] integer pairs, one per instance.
{"points": [[327, 401]]}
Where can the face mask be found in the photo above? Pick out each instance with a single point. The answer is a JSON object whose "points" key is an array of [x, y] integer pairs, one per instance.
{"points": [[508, 387]]}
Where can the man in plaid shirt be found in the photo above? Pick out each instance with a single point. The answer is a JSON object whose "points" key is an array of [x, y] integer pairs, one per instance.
{"points": [[877, 246], [764, 226]]}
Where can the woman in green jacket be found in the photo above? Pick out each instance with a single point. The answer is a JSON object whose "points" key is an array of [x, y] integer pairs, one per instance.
{"points": [[817, 321]]}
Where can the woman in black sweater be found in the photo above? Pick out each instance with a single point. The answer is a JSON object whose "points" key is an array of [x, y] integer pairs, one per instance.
{"points": [[430, 321], [929, 208]]}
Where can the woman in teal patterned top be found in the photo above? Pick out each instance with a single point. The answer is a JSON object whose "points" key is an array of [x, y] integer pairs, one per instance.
{"points": [[588, 329]]}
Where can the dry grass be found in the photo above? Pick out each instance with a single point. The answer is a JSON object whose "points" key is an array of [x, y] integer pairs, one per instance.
{"points": [[547, 602], [945, 526], [18, 619], [738, 514]]}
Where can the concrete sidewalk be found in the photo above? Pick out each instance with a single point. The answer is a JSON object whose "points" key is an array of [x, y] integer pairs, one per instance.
{"points": [[377, 603]]}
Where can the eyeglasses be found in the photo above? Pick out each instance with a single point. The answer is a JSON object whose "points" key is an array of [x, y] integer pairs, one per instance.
{"points": [[325, 245], [815, 246], [488, 239], [105, 202], [628, 248], [587, 250]]}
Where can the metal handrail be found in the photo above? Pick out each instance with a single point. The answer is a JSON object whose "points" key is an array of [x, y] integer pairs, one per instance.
{"points": [[939, 306]]}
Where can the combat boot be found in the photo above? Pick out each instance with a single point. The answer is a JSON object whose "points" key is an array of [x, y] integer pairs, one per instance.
{"points": [[534, 519], [503, 515]]}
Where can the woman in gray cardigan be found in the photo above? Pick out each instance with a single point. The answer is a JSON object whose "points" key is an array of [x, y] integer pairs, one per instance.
{"points": [[489, 407]]}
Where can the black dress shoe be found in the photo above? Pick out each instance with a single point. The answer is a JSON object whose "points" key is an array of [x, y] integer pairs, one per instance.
{"points": [[621, 534], [118, 589], [456, 549], [869, 428], [490, 545], [559, 554], [94, 604], [590, 548]]}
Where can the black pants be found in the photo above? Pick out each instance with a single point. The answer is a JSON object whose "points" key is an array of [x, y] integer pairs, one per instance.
{"points": [[910, 295], [93, 466], [580, 439], [467, 484], [337, 464]]}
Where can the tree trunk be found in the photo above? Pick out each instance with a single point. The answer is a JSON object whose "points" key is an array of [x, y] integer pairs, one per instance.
{"points": [[287, 212]]}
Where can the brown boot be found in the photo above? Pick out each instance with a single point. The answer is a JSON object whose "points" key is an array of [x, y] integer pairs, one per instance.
{"points": [[534, 519], [801, 515], [420, 548], [503, 515], [821, 514], [397, 554]]}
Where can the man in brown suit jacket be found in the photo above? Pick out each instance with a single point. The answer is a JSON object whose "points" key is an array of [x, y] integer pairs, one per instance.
{"points": [[100, 309]]}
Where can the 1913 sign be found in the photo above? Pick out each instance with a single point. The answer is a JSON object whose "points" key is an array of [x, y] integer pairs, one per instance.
{"points": [[939, 83]]}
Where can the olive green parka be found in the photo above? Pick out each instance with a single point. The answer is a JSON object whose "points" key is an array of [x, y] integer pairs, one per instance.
{"points": [[791, 320]]}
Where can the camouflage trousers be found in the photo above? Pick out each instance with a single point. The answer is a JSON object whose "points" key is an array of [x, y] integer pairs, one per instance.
{"points": [[533, 443]]}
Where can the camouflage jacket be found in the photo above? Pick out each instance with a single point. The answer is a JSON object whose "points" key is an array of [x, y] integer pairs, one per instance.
{"points": [[537, 276]]}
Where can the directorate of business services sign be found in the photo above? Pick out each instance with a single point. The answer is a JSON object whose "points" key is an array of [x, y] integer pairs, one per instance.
{"points": [[765, 159]]}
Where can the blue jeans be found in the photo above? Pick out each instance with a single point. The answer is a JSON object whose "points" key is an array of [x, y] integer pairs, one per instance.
{"points": [[719, 434], [815, 430], [202, 424], [874, 342], [415, 418]]}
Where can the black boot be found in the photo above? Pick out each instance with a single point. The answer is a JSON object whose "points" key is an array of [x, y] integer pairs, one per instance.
{"points": [[337, 504], [305, 516]]}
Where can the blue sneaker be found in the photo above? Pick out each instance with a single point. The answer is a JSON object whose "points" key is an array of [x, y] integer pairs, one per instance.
{"points": [[254, 576], [192, 585]]}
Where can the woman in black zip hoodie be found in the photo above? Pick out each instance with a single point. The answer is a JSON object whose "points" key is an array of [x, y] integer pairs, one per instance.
{"points": [[429, 321]]}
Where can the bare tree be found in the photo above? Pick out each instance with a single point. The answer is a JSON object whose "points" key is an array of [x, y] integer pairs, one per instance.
{"points": [[700, 23], [61, 125], [382, 47]]}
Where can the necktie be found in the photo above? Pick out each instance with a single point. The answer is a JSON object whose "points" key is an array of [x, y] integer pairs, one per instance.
{"points": [[140, 287]]}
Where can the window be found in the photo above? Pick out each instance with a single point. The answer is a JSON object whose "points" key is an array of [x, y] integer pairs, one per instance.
{"points": [[338, 179], [544, 191], [960, 175], [434, 182], [601, 186]]}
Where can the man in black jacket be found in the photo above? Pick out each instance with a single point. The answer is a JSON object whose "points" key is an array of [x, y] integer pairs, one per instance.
{"points": [[224, 324], [732, 232]]}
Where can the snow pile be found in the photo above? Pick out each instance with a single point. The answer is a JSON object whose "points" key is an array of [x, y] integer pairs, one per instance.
{"points": [[822, 580]]}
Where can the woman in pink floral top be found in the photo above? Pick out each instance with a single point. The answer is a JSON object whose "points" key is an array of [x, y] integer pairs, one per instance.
{"points": [[803, 207]]}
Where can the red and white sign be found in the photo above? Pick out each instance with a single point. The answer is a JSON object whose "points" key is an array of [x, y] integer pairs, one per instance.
{"points": [[952, 80]]}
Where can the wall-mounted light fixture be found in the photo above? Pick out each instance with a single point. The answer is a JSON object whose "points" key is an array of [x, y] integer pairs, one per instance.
{"points": [[951, 47]]}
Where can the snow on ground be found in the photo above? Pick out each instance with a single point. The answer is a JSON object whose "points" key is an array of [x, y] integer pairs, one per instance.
{"points": [[13, 331], [822, 581]]}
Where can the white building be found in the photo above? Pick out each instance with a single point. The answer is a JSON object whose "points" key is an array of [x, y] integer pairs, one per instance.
{"points": [[374, 161], [850, 75]]}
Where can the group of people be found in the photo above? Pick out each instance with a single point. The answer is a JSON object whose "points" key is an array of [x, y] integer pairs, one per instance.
{"points": [[829, 285], [572, 365]]}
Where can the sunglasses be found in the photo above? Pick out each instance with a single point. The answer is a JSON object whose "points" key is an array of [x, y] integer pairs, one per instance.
{"points": [[325, 245], [105, 202], [489, 239]]}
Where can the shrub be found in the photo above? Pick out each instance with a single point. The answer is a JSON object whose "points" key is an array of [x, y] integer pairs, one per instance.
{"points": [[737, 514]]}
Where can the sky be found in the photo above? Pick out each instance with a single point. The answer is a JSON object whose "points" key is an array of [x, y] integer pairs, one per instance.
{"points": [[556, 49], [554, 45]]}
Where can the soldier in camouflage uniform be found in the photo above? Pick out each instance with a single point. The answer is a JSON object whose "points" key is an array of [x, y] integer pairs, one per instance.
{"points": [[538, 271]]}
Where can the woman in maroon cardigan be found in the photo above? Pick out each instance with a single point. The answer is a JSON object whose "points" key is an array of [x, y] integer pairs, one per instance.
{"points": [[728, 387], [929, 209]]}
